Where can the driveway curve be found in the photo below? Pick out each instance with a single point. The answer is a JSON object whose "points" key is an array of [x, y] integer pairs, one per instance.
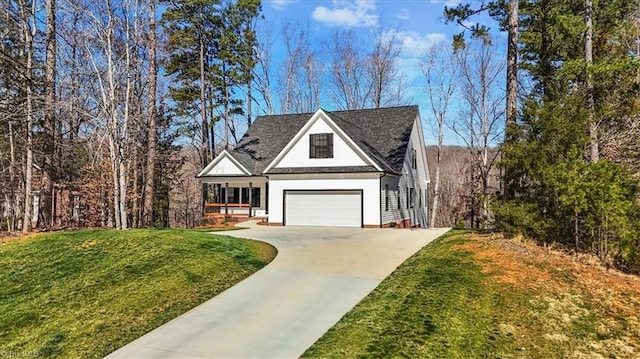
{"points": [[319, 274]]}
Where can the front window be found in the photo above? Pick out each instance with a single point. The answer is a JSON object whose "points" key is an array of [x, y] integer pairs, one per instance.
{"points": [[321, 145], [255, 196], [233, 196]]}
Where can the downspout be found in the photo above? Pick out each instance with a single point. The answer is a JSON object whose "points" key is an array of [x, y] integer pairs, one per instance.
{"points": [[380, 195], [226, 199], [266, 197], [250, 198]]}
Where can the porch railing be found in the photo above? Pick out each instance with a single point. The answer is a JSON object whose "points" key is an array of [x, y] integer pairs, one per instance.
{"points": [[213, 209]]}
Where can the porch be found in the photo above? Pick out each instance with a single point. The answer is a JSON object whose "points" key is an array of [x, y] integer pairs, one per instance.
{"points": [[234, 199]]}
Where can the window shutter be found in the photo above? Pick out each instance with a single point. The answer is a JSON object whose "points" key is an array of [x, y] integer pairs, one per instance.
{"points": [[330, 145]]}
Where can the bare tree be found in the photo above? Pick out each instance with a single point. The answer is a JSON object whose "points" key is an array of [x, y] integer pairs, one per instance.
{"points": [[440, 69], [151, 108], [262, 72], [386, 81], [49, 113], [480, 125], [349, 79], [29, 30], [185, 196], [113, 62], [310, 92], [289, 79], [301, 72]]}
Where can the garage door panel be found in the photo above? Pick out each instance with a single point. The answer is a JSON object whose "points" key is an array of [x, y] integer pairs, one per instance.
{"points": [[323, 208]]}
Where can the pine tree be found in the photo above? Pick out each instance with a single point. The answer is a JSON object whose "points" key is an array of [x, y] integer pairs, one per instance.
{"points": [[211, 45], [584, 89]]}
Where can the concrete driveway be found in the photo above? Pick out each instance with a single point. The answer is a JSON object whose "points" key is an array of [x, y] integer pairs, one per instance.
{"points": [[318, 275]]}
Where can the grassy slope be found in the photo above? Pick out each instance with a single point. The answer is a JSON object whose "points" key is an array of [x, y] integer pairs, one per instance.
{"points": [[85, 294], [466, 296]]}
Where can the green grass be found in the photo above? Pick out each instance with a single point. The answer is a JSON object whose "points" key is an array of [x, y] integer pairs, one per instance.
{"points": [[443, 303], [84, 294]]}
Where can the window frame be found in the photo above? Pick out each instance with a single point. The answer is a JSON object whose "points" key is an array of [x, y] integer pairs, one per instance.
{"points": [[318, 150]]}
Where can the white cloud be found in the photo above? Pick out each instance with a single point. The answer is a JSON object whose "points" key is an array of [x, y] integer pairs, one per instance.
{"points": [[281, 4], [448, 3], [403, 14], [414, 45], [347, 13]]}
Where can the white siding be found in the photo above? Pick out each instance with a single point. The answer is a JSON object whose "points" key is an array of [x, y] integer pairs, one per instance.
{"points": [[417, 178], [343, 154], [393, 214], [369, 187]]}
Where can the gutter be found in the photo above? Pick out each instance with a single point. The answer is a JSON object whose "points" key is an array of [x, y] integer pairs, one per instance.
{"points": [[380, 195]]}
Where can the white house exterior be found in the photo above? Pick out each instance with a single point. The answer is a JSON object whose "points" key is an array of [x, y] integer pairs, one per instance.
{"points": [[358, 168]]}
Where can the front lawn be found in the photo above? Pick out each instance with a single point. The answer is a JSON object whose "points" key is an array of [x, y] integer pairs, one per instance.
{"points": [[84, 294], [472, 296]]}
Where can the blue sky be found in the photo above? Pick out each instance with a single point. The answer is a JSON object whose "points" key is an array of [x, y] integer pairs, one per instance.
{"points": [[419, 25]]}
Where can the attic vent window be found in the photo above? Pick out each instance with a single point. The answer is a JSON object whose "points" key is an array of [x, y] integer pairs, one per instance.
{"points": [[321, 145]]}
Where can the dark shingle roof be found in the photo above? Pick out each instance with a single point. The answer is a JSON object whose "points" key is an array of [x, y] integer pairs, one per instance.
{"points": [[383, 134]]}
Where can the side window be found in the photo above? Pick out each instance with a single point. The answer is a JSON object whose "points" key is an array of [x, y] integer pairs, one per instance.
{"points": [[426, 197], [386, 197], [411, 198], [407, 199], [414, 159]]}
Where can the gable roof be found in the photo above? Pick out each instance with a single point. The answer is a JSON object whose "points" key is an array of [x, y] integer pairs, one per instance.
{"points": [[383, 134], [224, 154]]}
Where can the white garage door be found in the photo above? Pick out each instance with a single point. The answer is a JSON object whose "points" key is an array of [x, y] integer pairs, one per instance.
{"points": [[323, 208]]}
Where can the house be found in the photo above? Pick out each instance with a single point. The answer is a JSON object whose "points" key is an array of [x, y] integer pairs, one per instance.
{"points": [[356, 168]]}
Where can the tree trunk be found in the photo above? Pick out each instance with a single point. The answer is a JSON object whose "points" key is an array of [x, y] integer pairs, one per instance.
{"points": [[512, 66], [588, 57], [12, 202], [49, 115], [29, 34], [249, 100], [147, 210], [115, 176], [512, 91], [122, 181], [226, 108], [203, 105], [436, 186]]}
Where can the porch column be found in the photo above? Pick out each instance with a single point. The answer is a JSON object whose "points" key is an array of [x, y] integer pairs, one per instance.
{"points": [[226, 198], [250, 201], [205, 188]]}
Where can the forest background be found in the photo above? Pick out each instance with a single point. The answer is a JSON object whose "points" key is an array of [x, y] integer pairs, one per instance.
{"points": [[110, 108]]}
